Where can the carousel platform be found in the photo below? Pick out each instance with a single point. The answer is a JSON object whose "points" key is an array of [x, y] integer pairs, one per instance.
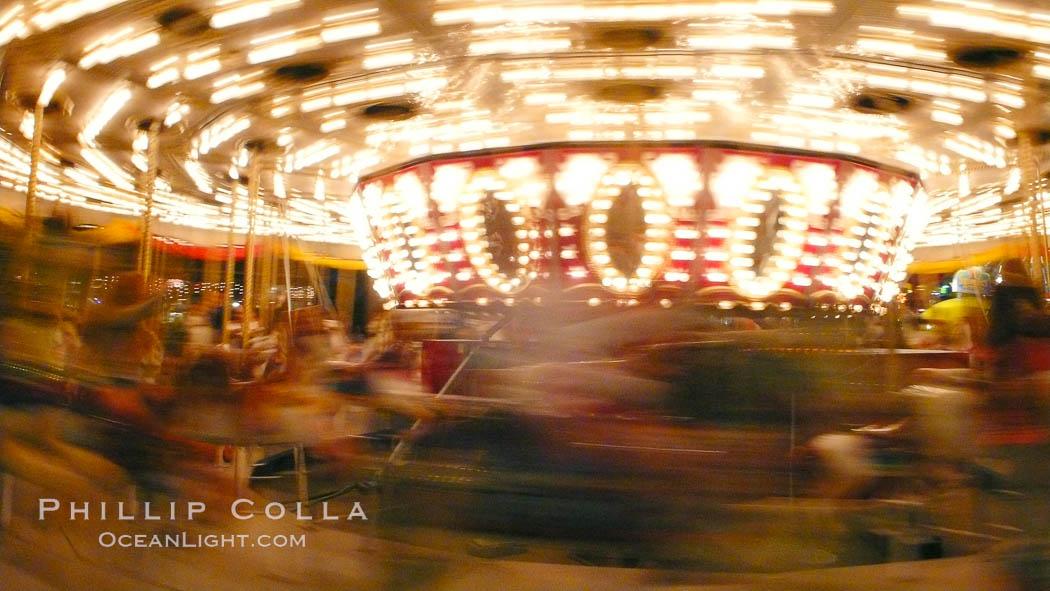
{"points": [[57, 554]]}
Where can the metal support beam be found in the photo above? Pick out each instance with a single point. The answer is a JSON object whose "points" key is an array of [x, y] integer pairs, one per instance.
{"points": [[1029, 180], [231, 262], [149, 182], [34, 168], [265, 281], [249, 251]]}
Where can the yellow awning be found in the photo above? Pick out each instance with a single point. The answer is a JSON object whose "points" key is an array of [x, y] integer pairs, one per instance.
{"points": [[998, 253], [330, 262], [116, 231], [123, 231]]}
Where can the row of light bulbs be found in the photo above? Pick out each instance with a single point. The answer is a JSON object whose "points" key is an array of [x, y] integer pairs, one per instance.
{"points": [[845, 232]]}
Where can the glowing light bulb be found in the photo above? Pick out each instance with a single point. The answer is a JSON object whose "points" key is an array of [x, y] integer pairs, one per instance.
{"points": [[278, 185], [319, 193], [54, 79]]}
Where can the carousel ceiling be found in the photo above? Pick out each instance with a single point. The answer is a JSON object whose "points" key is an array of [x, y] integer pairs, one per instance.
{"points": [[326, 92]]}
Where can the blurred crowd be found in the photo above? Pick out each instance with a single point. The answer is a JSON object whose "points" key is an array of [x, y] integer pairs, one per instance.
{"points": [[117, 383], [615, 422]]}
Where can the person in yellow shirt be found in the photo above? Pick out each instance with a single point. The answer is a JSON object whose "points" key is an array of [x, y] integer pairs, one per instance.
{"points": [[961, 323]]}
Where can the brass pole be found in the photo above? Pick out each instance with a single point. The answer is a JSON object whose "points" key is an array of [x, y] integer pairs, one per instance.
{"points": [[249, 250], [1026, 160], [146, 247], [1039, 190], [287, 282], [25, 255], [265, 280], [274, 272], [231, 261], [34, 167]]}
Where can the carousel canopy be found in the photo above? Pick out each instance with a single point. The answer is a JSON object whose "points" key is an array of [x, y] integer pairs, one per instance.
{"points": [[309, 97]]}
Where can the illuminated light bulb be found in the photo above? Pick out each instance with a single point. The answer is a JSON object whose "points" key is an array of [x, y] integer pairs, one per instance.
{"points": [[737, 71], [27, 125], [964, 184], [579, 177], [201, 69], [118, 46], [319, 189], [1010, 100], [54, 78], [717, 96], [110, 106], [946, 117], [388, 60], [236, 91], [732, 178], [350, 31], [817, 101], [164, 63], [245, 13], [141, 142], [544, 98], [278, 185], [741, 42], [283, 49], [175, 113], [1013, 181], [1005, 131], [165, 76], [518, 46], [679, 176]]}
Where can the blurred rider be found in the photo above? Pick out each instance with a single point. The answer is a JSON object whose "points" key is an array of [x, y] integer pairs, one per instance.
{"points": [[1018, 325], [119, 344]]}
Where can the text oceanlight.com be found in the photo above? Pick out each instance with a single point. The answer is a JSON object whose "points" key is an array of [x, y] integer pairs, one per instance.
{"points": [[188, 540]]}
